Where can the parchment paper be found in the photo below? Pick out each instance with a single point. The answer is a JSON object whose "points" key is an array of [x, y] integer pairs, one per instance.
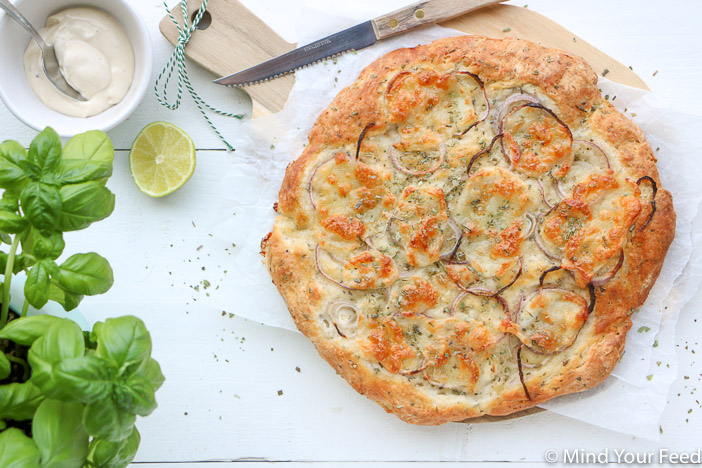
{"points": [[632, 398]]}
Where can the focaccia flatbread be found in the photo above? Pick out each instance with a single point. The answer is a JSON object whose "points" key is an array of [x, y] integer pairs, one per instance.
{"points": [[469, 229]]}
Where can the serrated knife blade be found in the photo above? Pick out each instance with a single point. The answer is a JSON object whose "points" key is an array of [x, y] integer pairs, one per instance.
{"points": [[355, 38]]}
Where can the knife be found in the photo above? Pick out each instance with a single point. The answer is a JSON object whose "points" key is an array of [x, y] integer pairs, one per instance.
{"points": [[355, 38]]}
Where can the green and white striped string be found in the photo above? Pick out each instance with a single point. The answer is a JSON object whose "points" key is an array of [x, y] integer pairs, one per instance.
{"points": [[177, 59]]}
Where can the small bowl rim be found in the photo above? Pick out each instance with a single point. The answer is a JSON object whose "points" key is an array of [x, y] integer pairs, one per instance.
{"points": [[69, 126]]}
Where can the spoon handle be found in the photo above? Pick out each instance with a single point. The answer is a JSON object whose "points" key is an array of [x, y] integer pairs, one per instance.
{"points": [[19, 17]]}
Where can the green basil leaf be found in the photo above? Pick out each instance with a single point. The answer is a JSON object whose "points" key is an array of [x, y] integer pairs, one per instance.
{"points": [[9, 201], [87, 274], [89, 344], [136, 396], [94, 145], [5, 366], [105, 454], [36, 289], [103, 420], [125, 341], [22, 262], [68, 301], [19, 401], [59, 434], [45, 150], [17, 450], [13, 160], [152, 372], [5, 237], [11, 222], [75, 171], [83, 204], [47, 244], [41, 204], [62, 340], [87, 378], [25, 331]]}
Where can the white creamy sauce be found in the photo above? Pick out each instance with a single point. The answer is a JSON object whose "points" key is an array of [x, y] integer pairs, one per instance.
{"points": [[95, 57]]}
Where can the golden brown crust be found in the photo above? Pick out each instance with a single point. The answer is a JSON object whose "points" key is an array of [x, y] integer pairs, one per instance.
{"points": [[566, 84]]}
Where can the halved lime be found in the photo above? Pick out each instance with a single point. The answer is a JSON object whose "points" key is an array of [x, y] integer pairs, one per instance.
{"points": [[162, 159]]}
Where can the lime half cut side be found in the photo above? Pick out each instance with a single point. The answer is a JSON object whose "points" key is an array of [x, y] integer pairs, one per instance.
{"points": [[162, 159]]}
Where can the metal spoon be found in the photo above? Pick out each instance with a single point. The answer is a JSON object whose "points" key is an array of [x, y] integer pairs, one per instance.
{"points": [[49, 62]]}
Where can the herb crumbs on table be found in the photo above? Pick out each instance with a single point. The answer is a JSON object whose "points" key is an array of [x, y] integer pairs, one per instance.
{"points": [[507, 30], [280, 392], [297, 369], [605, 71], [644, 329]]}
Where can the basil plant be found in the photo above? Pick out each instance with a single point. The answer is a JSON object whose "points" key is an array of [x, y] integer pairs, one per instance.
{"points": [[68, 398]]}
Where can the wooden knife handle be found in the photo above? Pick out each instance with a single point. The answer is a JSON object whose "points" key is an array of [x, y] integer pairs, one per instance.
{"points": [[424, 13]]}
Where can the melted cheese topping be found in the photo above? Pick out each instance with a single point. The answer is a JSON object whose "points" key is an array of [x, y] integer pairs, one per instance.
{"points": [[440, 264]]}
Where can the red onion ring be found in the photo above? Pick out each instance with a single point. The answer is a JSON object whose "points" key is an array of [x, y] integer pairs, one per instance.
{"points": [[597, 148], [513, 352], [422, 366], [333, 312], [559, 350], [485, 151], [485, 292], [487, 102], [540, 242], [459, 234], [319, 267], [367, 241], [499, 299], [404, 170], [591, 288], [459, 298], [543, 275], [309, 185], [513, 99], [543, 194], [393, 80], [361, 137], [535, 106], [603, 279], [593, 299], [521, 372], [532, 225], [519, 306], [654, 188], [519, 273]]}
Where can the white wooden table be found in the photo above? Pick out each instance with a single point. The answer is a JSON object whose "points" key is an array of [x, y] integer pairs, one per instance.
{"points": [[242, 394]]}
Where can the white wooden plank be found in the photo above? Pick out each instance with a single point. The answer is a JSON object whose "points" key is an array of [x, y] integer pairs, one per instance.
{"points": [[318, 417]]}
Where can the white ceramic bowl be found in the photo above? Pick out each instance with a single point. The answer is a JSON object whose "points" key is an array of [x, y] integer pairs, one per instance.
{"points": [[18, 96]]}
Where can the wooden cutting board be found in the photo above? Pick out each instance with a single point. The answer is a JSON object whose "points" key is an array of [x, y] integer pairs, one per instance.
{"points": [[233, 39]]}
